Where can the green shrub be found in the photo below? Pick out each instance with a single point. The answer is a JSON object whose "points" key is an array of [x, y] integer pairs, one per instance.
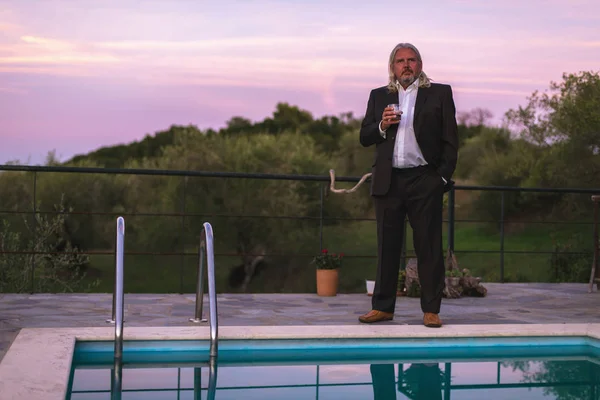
{"points": [[55, 265], [570, 262]]}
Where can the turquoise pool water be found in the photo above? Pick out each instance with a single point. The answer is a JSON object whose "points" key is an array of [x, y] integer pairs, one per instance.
{"points": [[381, 369]]}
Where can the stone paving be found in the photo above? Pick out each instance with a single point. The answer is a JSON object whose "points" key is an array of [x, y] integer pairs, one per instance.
{"points": [[505, 304]]}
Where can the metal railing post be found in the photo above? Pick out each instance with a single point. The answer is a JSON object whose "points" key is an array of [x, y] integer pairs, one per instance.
{"points": [[498, 372], [112, 318], [200, 281], [403, 251], [451, 219], [502, 237], [197, 383], [34, 225], [182, 236], [447, 381], [119, 291], [322, 195], [595, 274]]}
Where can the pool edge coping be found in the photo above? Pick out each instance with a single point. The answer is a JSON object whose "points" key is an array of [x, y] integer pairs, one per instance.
{"points": [[37, 364]]}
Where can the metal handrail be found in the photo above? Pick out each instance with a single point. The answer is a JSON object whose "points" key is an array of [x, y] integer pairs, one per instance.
{"points": [[207, 249], [451, 220], [119, 296], [268, 176]]}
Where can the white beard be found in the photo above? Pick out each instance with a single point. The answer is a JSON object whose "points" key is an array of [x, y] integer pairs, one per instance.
{"points": [[406, 80]]}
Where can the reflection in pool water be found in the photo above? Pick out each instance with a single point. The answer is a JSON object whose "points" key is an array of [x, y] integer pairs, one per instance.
{"points": [[565, 368], [548, 379]]}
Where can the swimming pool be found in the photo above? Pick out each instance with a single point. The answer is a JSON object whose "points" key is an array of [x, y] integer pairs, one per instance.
{"points": [[38, 364], [383, 369]]}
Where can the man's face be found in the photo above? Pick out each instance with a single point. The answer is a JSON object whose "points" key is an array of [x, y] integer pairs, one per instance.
{"points": [[406, 67]]}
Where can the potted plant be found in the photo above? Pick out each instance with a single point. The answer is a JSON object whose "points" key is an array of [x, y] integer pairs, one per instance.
{"points": [[327, 272], [401, 291], [453, 289], [453, 277]]}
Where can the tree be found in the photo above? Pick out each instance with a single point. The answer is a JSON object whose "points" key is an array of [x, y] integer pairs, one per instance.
{"points": [[149, 147], [569, 113], [560, 373], [238, 125], [290, 118], [249, 216], [479, 144], [325, 131], [472, 123], [55, 264], [475, 117], [564, 125]]}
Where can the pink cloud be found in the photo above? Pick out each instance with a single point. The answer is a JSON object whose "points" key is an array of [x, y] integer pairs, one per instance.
{"points": [[4, 27], [178, 62]]}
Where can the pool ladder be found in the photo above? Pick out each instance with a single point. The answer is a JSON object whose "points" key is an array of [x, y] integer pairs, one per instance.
{"points": [[207, 251], [118, 295], [117, 313]]}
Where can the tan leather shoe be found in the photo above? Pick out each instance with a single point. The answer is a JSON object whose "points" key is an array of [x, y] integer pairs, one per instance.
{"points": [[375, 316], [431, 320]]}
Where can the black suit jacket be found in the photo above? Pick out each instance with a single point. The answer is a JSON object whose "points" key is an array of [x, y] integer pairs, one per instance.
{"points": [[435, 129]]}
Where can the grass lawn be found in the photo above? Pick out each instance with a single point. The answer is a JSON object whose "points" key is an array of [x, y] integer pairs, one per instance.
{"points": [[172, 274], [155, 274], [469, 239]]}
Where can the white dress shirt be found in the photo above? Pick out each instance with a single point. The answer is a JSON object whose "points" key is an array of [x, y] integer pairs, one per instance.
{"points": [[407, 153]]}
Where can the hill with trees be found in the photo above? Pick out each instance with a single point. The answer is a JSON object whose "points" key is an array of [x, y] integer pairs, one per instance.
{"points": [[552, 141]]}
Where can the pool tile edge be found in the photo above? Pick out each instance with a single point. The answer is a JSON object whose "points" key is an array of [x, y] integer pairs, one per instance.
{"points": [[37, 364]]}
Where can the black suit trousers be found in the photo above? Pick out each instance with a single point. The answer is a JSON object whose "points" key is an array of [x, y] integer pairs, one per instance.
{"points": [[416, 193]]}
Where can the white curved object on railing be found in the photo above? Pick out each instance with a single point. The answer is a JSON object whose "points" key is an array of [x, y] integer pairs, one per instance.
{"points": [[332, 183]]}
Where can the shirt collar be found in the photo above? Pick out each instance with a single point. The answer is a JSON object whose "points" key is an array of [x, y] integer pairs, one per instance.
{"points": [[410, 88]]}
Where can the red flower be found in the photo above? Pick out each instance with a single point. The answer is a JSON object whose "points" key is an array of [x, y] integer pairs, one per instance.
{"points": [[324, 251], [341, 254]]}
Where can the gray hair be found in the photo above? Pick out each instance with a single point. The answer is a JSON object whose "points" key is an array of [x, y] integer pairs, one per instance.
{"points": [[392, 86]]}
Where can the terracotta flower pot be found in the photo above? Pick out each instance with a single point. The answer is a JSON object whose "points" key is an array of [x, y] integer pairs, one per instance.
{"points": [[327, 282]]}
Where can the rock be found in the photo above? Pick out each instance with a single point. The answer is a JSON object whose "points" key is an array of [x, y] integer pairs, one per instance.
{"points": [[472, 287], [469, 282], [456, 286], [413, 287], [453, 289], [451, 262]]}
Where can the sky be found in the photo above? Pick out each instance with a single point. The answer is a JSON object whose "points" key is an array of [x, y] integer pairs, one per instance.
{"points": [[76, 75]]}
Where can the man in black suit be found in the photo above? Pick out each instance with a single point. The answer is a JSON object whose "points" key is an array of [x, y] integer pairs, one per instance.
{"points": [[416, 150]]}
